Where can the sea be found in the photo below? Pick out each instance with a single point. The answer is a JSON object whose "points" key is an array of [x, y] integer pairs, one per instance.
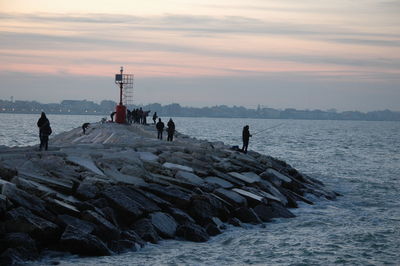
{"points": [[358, 159]]}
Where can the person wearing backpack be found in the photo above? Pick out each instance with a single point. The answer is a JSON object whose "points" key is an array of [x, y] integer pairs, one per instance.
{"points": [[44, 131]]}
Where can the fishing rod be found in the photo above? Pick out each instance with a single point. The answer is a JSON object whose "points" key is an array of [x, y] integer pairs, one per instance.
{"points": [[269, 128]]}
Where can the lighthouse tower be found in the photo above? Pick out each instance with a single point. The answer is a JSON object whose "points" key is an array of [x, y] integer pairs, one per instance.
{"points": [[125, 84]]}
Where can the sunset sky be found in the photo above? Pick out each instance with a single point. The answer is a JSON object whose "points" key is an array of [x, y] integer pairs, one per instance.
{"points": [[305, 54]]}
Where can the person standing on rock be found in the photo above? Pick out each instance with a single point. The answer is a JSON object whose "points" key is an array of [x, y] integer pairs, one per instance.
{"points": [[170, 130], [112, 116], [155, 117], [44, 131], [160, 128], [84, 127], [246, 137]]}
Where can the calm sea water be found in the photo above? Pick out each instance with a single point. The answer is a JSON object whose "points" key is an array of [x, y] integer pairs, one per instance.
{"points": [[360, 160]]}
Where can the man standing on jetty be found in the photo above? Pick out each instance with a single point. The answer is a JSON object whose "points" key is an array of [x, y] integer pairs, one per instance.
{"points": [[246, 136], [44, 131], [160, 128]]}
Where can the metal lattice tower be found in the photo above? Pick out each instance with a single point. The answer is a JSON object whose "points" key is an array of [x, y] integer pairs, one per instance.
{"points": [[125, 83]]}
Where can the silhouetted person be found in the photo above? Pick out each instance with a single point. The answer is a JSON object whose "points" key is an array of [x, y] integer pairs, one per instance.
{"points": [[170, 130], [155, 117], [44, 131], [160, 127], [84, 127], [112, 116], [140, 115], [145, 114], [246, 136]]}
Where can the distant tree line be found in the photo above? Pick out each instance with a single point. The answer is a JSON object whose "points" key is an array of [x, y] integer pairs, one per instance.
{"points": [[175, 110]]}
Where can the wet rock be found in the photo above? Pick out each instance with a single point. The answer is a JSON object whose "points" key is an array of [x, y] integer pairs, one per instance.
{"points": [[275, 177], [145, 229], [265, 213], [104, 229], [17, 256], [6, 172], [131, 235], [3, 205], [87, 190], [175, 196], [23, 220], [122, 245], [85, 226], [21, 198], [192, 232], [212, 229], [164, 224], [246, 178], [189, 177], [60, 207], [235, 222], [180, 216], [201, 211], [109, 214], [232, 197], [62, 185], [278, 210], [247, 215], [177, 167], [79, 242], [251, 197], [218, 181], [18, 240], [148, 156]]}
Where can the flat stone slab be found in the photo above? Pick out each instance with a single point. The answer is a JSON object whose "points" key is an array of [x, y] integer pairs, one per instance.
{"points": [[231, 196], [190, 177], [248, 194], [253, 176], [218, 181], [275, 173], [174, 166], [85, 163], [244, 178], [127, 179], [147, 156], [64, 185]]}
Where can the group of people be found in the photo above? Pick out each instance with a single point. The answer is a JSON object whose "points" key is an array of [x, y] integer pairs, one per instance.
{"points": [[170, 129], [139, 116]]}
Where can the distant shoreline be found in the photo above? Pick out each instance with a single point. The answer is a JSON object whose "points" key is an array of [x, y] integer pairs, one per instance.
{"points": [[199, 116]]}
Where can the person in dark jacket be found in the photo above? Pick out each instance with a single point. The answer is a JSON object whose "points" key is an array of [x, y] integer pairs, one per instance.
{"points": [[170, 130], [112, 116], [44, 131], [246, 136], [155, 117], [84, 127], [160, 127]]}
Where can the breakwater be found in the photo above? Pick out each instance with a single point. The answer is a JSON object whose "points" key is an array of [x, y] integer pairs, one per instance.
{"points": [[118, 187]]}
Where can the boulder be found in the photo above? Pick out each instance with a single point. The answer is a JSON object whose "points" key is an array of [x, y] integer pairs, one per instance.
{"points": [[3, 205], [23, 220], [21, 198], [122, 245], [247, 215], [231, 197], [145, 229], [18, 240], [164, 224], [177, 167], [192, 232], [60, 207], [86, 163], [265, 213], [104, 229], [235, 222], [275, 177], [212, 229], [87, 190], [17, 256], [148, 156], [131, 235], [79, 242], [278, 210], [244, 178], [218, 181], [85, 226], [176, 196], [6, 172], [180, 216], [189, 177], [201, 211]]}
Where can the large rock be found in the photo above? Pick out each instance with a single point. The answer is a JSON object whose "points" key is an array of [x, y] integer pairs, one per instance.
{"points": [[176, 196], [17, 256], [278, 210], [177, 167], [104, 229], [21, 198], [85, 226], [131, 235], [6, 172], [80, 242], [87, 190], [164, 224], [3, 205], [218, 181], [232, 197], [189, 177], [18, 240], [180, 216], [145, 229], [23, 220], [265, 213], [247, 215], [275, 177], [192, 232]]}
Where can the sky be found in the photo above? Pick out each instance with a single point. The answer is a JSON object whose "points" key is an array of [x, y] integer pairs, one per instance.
{"points": [[309, 54]]}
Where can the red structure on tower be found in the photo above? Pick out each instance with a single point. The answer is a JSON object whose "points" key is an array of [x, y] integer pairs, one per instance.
{"points": [[125, 83]]}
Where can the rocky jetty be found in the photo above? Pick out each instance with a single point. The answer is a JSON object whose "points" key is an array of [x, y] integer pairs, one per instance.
{"points": [[118, 187]]}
